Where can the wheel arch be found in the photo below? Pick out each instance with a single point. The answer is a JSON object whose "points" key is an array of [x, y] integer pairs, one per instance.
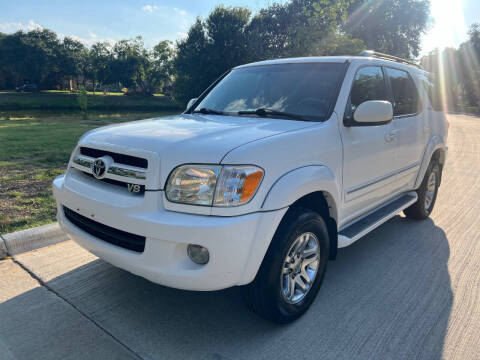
{"points": [[322, 203], [436, 150], [312, 187]]}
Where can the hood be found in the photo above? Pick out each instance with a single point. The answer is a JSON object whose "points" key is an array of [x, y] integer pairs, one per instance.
{"points": [[189, 138]]}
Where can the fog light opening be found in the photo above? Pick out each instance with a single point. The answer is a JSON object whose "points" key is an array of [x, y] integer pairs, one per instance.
{"points": [[198, 254]]}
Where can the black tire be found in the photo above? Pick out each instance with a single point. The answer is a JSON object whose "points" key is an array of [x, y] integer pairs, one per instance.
{"points": [[420, 210], [264, 294]]}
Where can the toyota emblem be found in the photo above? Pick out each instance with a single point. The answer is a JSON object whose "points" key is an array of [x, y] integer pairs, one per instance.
{"points": [[99, 168]]}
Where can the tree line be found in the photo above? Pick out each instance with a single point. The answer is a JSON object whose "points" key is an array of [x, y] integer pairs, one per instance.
{"points": [[227, 37], [457, 72], [40, 57]]}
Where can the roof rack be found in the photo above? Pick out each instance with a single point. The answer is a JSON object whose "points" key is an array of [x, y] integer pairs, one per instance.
{"points": [[378, 55]]}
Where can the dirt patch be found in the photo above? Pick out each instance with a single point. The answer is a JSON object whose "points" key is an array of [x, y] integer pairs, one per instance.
{"points": [[26, 197]]}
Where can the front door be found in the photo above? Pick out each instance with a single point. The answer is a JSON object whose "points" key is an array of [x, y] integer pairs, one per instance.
{"points": [[369, 150]]}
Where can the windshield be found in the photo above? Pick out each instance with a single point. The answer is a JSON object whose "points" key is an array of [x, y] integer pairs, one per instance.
{"points": [[302, 90]]}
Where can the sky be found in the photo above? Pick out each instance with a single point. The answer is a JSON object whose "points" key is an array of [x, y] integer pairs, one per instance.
{"points": [[155, 20]]}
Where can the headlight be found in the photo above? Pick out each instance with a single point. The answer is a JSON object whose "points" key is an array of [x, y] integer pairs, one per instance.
{"points": [[192, 184], [213, 184]]}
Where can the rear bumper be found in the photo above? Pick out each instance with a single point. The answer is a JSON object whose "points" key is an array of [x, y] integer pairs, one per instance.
{"points": [[236, 244]]}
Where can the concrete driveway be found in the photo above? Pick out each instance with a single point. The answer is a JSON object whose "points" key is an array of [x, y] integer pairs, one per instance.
{"points": [[408, 290]]}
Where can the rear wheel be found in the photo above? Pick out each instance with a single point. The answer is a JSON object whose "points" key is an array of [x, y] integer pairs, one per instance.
{"points": [[293, 268], [427, 194]]}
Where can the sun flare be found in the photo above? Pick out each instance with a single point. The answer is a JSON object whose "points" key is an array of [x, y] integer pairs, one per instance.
{"points": [[449, 27]]}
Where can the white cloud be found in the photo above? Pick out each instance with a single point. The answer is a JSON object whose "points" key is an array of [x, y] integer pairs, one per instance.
{"points": [[180, 11], [10, 27], [150, 8]]}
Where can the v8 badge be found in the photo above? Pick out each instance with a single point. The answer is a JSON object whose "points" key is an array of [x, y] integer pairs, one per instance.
{"points": [[133, 188]]}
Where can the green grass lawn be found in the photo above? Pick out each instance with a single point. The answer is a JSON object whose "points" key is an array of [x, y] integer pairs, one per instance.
{"points": [[34, 148]]}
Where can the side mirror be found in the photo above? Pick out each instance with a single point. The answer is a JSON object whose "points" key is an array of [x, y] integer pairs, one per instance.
{"points": [[190, 103], [374, 112]]}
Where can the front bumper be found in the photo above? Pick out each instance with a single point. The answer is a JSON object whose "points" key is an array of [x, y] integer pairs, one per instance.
{"points": [[236, 244]]}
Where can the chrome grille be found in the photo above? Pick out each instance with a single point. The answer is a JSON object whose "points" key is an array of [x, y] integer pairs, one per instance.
{"points": [[118, 172], [118, 158]]}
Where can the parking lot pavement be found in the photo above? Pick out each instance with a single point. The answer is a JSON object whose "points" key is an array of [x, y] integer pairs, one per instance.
{"points": [[408, 290]]}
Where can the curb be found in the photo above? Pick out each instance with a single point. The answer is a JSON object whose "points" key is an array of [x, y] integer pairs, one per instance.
{"points": [[31, 239], [3, 248]]}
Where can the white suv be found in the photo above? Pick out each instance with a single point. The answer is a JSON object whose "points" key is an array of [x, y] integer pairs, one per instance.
{"points": [[262, 178]]}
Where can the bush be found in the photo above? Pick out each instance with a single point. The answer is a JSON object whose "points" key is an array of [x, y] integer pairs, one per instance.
{"points": [[67, 101], [82, 101]]}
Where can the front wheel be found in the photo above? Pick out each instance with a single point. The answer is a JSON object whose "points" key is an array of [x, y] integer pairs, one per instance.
{"points": [[427, 194], [293, 268]]}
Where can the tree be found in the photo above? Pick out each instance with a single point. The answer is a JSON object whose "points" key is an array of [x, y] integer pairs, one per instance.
{"points": [[268, 33], [73, 59], [11, 51], [313, 22], [160, 68], [337, 44], [5, 74], [41, 65], [458, 72], [191, 59], [128, 58], [394, 27], [302, 28], [211, 47], [99, 63], [226, 38], [31, 57], [474, 35], [137, 68], [470, 56]]}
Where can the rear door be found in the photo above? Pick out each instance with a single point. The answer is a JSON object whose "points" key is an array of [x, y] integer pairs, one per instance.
{"points": [[409, 126], [369, 150]]}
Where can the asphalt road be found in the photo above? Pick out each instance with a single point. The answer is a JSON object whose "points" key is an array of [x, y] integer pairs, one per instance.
{"points": [[408, 290]]}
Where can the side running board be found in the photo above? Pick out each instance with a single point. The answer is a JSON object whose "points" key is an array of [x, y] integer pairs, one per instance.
{"points": [[355, 231]]}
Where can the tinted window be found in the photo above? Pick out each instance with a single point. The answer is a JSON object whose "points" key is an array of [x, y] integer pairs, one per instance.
{"points": [[369, 84], [433, 90], [405, 94], [307, 90]]}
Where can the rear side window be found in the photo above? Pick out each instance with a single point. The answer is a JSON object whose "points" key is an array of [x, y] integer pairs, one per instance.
{"points": [[369, 84], [405, 94], [433, 91]]}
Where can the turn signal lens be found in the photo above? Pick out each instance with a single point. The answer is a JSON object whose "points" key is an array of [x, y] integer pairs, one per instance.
{"points": [[237, 185], [252, 181]]}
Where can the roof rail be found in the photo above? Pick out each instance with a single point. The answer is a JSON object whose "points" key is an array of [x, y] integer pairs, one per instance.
{"points": [[378, 55]]}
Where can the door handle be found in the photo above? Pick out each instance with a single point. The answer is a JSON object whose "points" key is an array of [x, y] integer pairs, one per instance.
{"points": [[389, 137]]}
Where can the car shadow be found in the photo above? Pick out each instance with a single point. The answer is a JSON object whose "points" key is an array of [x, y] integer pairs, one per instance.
{"points": [[387, 296]]}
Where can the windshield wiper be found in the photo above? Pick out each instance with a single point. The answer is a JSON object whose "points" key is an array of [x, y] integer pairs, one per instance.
{"points": [[263, 112], [209, 111]]}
